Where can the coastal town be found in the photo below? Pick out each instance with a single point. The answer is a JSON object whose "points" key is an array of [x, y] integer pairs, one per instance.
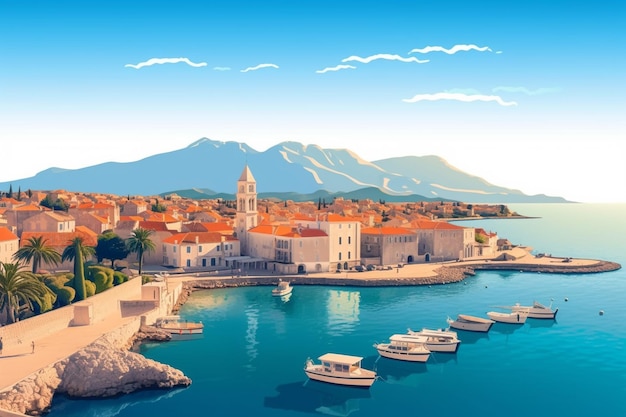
{"points": [[211, 244], [275, 236]]}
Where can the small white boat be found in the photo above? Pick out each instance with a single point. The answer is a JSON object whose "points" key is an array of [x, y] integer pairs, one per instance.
{"points": [[176, 326], [438, 340], [340, 369], [471, 323], [514, 317], [283, 288], [536, 311], [404, 347]]}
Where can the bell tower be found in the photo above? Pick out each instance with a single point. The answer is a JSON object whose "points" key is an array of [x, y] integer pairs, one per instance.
{"points": [[247, 215]]}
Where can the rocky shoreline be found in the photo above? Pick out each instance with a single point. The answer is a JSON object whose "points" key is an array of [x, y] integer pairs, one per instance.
{"points": [[105, 368]]}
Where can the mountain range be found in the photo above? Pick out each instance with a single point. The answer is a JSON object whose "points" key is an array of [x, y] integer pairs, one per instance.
{"points": [[208, 168]]}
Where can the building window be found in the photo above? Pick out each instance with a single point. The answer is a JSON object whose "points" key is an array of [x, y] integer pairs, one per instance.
{"points": [[217, 248], [349, 255], [200, 249], [349, 240], [174, 249], [339, 255], [188, 249], [340, 240], [188, 262]]}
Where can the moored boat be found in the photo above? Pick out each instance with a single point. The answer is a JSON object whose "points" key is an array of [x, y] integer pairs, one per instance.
{"points": [[438, 340], [471, 323], [404, 347], [177, 326], [283, 288], [514, 317], [536, 310], [336, 368]]}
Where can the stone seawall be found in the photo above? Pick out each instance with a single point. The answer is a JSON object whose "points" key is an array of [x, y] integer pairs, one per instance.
{"points": [[445, 274]]}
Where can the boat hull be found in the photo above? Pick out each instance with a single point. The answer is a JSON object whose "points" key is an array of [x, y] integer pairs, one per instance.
{"points": [[281, 293], [365, 380], [438, 340], [510, 318], [471, 324], [419, 356], [536, 313]]}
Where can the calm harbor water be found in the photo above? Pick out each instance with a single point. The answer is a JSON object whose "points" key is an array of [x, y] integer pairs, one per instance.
{"points": [[250, 360]]}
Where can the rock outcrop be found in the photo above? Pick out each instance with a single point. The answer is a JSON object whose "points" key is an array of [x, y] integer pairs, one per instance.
{"points": [[101, 369]]}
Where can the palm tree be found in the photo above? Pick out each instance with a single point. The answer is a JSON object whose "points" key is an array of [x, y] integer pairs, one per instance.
{"points": [[78, 252], [36, 250], [139, 242], [17, 287]]}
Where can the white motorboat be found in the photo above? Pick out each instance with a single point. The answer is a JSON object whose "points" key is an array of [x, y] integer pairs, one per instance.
{"points": [[471, 323], [438, 340], [404, 347], [283, 288], [514, 317], [177, 326], [340, 369], [536, 311]]}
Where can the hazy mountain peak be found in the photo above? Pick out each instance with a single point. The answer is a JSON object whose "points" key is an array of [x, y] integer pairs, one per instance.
{"points": [[289, 166]]}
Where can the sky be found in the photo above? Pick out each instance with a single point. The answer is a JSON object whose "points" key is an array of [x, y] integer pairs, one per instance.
{"points": [[527, 95]]}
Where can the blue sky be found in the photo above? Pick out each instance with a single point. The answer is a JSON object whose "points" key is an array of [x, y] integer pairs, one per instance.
{"points": [[527, 95]]}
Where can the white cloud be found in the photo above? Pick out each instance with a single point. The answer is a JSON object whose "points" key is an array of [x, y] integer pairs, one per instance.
{"points": [[458, 97], [259, 67], [221, 68], [451, 51], [389, 57], [525, 90], [155, 61], [337, 68]]}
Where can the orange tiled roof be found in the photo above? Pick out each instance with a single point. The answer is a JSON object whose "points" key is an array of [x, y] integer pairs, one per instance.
{"points": [[62, 240], [6, 234]]}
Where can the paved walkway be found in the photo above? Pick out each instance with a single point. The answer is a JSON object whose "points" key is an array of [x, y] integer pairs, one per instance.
{"points": [[18, 362]]}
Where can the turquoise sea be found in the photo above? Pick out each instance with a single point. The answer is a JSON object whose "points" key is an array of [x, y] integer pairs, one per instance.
{"points": [[250, 360]]}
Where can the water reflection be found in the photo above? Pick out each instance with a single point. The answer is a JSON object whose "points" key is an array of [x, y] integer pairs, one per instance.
{"points": [[252, 315], [110, 407], [469, 338], [394, 371], [541, 322], [505, 328], [317, 398], [343, 311]]}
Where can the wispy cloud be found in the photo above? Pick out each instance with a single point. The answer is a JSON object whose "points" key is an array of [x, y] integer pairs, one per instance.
{"points": [[450, 51], [525, 90], [221, 68], [458, 97], [388, 57], [337, 68], [258, 67], [159, 61]]}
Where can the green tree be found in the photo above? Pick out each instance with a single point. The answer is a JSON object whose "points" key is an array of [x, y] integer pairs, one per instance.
{"points": [[10, 194], [139, 242], [111, 246], [18, 287], [78, 252], [158, 207], [36, 250]]}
